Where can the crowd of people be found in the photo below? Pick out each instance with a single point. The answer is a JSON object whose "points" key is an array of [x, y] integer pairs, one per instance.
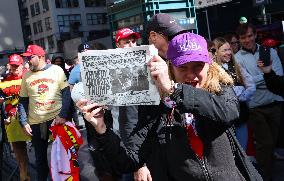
{"points": [[213, 94]]}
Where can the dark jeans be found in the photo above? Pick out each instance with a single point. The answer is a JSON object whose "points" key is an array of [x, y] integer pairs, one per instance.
{"points": [[265, 121], [40, 142]]}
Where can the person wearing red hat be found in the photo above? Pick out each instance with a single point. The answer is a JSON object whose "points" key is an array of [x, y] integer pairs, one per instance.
{"points": [[45, 99], [10, 89], [126, 38]]}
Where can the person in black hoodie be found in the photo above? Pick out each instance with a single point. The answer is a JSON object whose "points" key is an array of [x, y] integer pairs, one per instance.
{"points": [[187, 137], [274, 83]]}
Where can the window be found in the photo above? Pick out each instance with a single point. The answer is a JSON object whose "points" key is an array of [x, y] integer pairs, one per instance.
{"points": [[25, 13], [37, 9], [32, 10], [39, 26], [35, 28], [50, 42], [47, 24], [68, 20], [96, 18], [94, 3], [66, 3], [45, 6], [40, 42]]}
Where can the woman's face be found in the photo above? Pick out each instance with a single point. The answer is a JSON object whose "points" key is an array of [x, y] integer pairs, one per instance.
{"points": [[192, 73], [224, 53], [58, 61]]}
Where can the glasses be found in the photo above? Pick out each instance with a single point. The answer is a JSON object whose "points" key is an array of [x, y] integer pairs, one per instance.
{"points": [[235, 42], [29, 57], [212, 50]]}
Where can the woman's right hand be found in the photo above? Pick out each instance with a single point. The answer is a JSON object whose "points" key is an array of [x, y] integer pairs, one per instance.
{"points": [[93, 113]]}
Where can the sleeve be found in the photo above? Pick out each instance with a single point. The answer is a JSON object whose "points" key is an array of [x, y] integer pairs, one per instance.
{"points": [[258, 79], [275, 83], [276, 63], [250, 87], [74, 77], [131, 156], [214, 113], [62, 80], [66, 103], [24, 90], [23, 108]]}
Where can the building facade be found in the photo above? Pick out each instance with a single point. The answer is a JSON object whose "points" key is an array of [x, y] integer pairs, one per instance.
{"points": [[134, 14], [49, 23]]}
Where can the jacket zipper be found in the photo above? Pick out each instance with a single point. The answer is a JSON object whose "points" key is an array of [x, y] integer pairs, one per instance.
{"points": [[204, 168]]}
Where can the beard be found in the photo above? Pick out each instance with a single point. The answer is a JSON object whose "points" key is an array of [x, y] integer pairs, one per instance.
{"points": [[33, 68]]}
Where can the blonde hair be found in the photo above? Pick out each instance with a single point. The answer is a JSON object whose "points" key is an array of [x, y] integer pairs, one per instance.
{"points": [[216, 78], [218, 42]]}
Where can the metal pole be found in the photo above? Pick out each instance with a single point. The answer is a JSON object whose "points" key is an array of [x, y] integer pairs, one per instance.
{"points": [[208, 26]]}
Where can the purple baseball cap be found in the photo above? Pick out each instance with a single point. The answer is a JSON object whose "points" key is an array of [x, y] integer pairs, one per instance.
{"points": [[188, 47]]}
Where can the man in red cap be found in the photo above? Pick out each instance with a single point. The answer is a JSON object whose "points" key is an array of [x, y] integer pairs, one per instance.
{"points": [[44, 99], [10, 88], [126, 38]]}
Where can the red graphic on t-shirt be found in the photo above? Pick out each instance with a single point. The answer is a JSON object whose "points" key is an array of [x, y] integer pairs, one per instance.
{"points": [[42, 88]]}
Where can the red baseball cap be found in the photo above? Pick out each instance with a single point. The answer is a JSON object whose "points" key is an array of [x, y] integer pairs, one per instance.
{"points": [[15, 60], [124, 33], [34, 50]]}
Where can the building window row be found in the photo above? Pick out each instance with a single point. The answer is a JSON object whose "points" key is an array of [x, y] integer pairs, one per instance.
{"points": [[66, 3], [95, 3], [68, 20], [37, 26], [50, 42], [96, 18]]}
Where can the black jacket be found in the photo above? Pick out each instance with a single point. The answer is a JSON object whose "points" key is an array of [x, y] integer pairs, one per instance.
{"points": [[274, 83], [165, 149]]}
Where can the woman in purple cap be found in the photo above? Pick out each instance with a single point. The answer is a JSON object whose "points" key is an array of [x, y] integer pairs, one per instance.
{"points": [[189, 136]]}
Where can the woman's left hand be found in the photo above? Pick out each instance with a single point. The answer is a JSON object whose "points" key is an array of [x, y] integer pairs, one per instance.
{"points": [[160, 73]]}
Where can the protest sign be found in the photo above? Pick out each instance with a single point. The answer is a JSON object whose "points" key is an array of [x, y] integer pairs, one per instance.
{"points": [[119, 76]]}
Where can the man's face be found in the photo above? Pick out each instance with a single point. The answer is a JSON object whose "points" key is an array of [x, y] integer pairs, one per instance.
{"points": [[127, 42], [248, 40], [16, 70], [34, 62], [160, 42]]}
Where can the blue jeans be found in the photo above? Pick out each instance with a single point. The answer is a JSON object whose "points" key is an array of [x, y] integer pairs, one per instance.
{"points": [[40, 142]]}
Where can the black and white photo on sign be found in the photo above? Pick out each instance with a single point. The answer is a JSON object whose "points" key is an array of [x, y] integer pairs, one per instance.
{"points": [[119, 76]]}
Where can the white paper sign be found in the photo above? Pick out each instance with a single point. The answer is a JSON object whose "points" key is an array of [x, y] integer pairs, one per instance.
{"points": [[119, 76]]}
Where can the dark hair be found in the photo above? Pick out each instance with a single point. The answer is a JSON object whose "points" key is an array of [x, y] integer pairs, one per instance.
{"points": [[243, 28], [57, 57], [229, 36]]}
